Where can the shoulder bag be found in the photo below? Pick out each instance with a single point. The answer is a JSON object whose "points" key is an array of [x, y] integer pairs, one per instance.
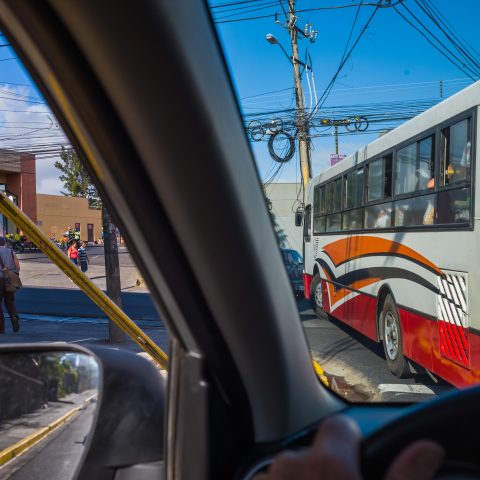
{"points": [[12, 279]]}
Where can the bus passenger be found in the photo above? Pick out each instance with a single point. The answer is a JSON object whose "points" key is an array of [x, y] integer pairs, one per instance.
{"points": [[383, 219]]}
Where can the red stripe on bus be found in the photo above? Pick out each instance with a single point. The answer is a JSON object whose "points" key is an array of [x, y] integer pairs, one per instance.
{"points": [[307, 283]]}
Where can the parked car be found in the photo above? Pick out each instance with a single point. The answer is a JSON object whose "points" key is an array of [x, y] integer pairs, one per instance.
{"points": [[294, 265]]}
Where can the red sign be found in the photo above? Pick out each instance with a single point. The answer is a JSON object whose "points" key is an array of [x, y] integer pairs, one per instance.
{"points": [[335, 158]]}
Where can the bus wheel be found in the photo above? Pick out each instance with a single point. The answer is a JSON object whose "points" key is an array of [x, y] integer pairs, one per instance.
{"points": [[316, 295], [392, 339]]}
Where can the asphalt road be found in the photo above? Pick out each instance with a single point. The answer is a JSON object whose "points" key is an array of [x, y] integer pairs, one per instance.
{"points": [[57, 456], [353, 360], [360, 362]]}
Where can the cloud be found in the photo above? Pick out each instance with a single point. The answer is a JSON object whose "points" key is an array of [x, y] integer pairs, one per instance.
{"points": [[28, 125]]}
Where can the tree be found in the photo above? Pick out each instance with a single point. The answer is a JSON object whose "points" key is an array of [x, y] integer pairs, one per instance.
{"points": [[75, 178]]}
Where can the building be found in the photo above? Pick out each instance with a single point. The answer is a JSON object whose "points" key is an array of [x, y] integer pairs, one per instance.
{"points": [[18, 181], [58, 212], [285, 198]]}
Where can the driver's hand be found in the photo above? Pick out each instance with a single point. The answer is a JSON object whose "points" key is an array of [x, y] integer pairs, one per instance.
{"points": [[335, 455]]}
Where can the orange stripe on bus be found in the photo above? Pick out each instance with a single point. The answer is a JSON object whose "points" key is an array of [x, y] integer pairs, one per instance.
{"points": [[341, 292], [350, 248]]}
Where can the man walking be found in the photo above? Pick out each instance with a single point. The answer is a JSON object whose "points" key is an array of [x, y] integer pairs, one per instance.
{"points": [[9, 261]]}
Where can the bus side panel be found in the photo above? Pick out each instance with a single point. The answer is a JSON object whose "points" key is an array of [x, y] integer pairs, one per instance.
{"points": [[417, 337], [453, 372], [421, 343], [359, 312]]}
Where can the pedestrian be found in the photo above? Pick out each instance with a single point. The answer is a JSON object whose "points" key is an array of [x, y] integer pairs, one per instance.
{"points": [[82, 254], [8, 260], [72, 252]]}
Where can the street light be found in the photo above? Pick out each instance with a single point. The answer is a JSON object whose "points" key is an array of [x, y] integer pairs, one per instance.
{"points": [[272, 40]]}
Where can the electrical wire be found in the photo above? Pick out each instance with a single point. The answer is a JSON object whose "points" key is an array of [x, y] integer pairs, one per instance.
{"points": [[345, 57], [424, 35], [333, 7]]}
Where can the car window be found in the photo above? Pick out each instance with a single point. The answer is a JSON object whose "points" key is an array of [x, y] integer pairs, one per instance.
{"points": [[42, 174], [385, 140], [376, 154]]}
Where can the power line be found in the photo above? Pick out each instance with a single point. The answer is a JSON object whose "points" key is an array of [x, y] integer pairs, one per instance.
{"points": [[433, 44], [334, 7], [324, 95]]}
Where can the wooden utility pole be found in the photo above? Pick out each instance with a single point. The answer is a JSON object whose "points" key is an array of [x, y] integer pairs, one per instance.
{"points": [[302, 119], [112, 272]]}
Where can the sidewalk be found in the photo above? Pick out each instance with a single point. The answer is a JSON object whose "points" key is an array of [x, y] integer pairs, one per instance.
{"points": [[16, 429], [38, 271]]}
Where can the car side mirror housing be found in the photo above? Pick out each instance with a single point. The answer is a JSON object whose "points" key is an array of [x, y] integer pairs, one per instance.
{"points": [[103, 409]]}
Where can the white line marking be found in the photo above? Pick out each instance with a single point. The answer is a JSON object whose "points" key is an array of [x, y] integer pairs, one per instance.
{"points": [[403, 388]]}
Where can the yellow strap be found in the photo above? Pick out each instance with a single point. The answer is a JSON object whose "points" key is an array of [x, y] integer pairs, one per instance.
{"points": [[116, 314]]}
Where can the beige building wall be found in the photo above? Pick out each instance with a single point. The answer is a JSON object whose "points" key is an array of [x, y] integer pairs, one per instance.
{"points": [[285, 198], [55, 213]]}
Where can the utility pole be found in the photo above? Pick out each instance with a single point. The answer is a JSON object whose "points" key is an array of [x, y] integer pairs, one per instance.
{"points": [[302, 120], [441, 88], [336, 139], [112, 272]]}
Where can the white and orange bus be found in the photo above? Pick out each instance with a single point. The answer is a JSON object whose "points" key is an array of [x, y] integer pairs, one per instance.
{"points": [[392, 243]]}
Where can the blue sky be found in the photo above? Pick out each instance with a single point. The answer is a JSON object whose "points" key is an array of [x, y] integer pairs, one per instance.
{"points": [[392, 62], [391, 55]]}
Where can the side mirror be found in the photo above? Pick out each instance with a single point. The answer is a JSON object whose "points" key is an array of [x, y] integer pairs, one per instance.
{"points": [[102, 411], [299, 218]]}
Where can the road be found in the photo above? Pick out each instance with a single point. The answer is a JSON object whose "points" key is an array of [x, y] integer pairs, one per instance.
{"points": [[57, 456], [354, 361], [360, 363]]}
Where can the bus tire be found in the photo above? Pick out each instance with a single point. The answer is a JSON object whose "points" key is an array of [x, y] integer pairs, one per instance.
{"points": [[316, 295], [392, 338]]}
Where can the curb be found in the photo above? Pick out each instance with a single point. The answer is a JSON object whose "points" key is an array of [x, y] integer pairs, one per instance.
{"points": [[320, 373], [29, 441]]}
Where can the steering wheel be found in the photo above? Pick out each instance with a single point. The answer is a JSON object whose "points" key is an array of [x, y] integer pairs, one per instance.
{"points": [[453, 421]]}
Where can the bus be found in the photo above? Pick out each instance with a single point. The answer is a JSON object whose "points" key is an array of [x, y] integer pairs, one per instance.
{"points": [[391, 245]]}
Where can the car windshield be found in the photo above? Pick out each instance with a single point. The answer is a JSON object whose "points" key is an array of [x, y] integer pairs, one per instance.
{"points": [[365, 146], [362, 117]]}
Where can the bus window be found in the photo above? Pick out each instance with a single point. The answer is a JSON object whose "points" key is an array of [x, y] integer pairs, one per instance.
{"points": [[405, 169], [323, 206], [353, 219], [425, 171], [334, 222], [453, 206], [456, 146], [388, 176], [378, 216], [415, 211], [319, 224], [375, 180], [354, 189], [316, 201], [334, 196]]}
